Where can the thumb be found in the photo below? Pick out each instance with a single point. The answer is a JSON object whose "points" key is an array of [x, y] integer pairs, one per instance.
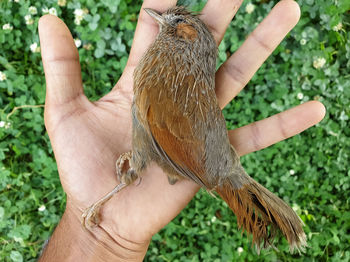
{"points": [[61, 62]]}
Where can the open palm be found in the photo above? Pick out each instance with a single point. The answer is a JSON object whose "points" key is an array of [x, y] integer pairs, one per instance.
{"points": [[88, 137]]}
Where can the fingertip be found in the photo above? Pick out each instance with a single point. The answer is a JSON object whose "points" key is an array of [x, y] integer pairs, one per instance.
{"points": [[319, 110], [60, 60], [293, 13], [44, 20], [296, 8], [56, 40], [48, 21]]}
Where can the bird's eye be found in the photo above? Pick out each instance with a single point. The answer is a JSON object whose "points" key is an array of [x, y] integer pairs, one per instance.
{"points": [[178, 20]]}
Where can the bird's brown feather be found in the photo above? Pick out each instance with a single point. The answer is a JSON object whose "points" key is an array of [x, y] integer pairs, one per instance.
{"points": [[262, 213], [186, 31]]}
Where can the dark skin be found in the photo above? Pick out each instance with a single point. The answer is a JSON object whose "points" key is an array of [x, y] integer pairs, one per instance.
{"points": [[87, 137]]}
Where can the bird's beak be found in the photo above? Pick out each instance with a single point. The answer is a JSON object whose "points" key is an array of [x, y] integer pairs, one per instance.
{"points": [[154, 14]]}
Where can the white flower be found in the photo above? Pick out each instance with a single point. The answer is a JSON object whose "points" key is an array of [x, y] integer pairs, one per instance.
{"points": [[45, 10], [42, 208], [35, 48], [300, 96], [79, 16], [319, 62], [17, 1], [7, 27], [33, 10], [249, 8], [27, 17], [213, 219], [292, 172], [77, 42], [78, 12], [29, 20], [53, 11], [240, 250], [2, 76], [77, 21], [338, 27], [61, 2], [4, 124], [303, 41]]}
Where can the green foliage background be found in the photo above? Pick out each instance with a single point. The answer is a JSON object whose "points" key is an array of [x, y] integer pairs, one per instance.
{"points": [[310, 171]]}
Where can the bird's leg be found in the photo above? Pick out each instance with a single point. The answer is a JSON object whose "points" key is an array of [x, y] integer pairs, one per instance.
{"points": [[130, 175], [91, 214]]}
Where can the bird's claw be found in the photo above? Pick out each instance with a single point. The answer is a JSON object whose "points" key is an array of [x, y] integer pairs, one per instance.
{"points": [[91, 217], [130, 175]]}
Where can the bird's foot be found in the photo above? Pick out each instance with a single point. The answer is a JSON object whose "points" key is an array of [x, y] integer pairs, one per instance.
{"points": [[129, 176], [91, 217], [91, 214]]}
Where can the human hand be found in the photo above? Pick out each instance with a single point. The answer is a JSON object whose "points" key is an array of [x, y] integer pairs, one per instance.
{"points": [[87, 137]]}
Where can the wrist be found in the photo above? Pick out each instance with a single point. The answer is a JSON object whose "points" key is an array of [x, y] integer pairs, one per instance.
{"points": [[71, 242]]}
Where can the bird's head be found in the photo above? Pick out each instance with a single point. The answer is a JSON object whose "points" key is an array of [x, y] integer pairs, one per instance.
{"points": [[178, 22]]}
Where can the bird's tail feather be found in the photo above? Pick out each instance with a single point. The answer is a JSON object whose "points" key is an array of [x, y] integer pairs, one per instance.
{"points": [[261, 213]]}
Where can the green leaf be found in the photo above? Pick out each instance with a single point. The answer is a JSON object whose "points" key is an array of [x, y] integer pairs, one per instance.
{"points": [[99, 53], [16, 256], [2, 213], [111, 4]]}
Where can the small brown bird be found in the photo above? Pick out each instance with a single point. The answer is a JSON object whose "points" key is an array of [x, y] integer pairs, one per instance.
{"points": [[178, 124]]}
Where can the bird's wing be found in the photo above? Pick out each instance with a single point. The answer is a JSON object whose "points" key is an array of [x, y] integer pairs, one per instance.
{"points": [[178, 140]]}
